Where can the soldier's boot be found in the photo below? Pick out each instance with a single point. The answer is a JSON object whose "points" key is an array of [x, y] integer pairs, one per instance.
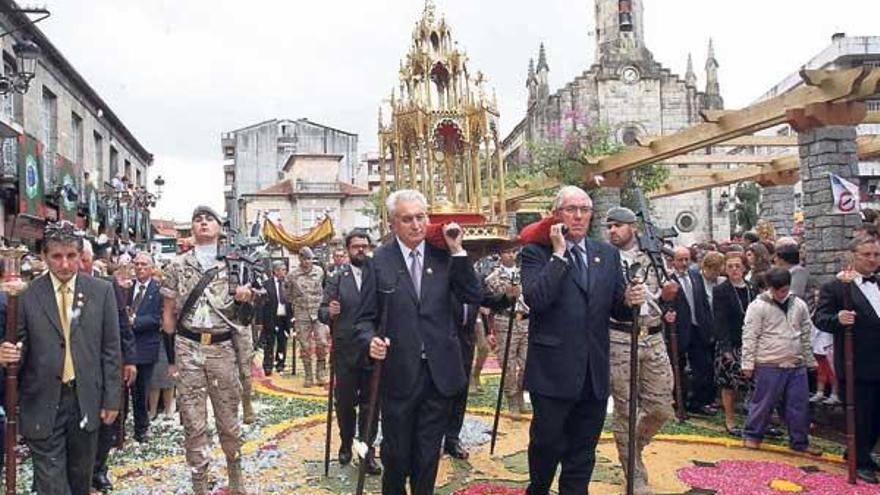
{"points": [[236, 484], [476, 384], [307, 371], [513, 406], [321, 371], [200, 482], [249, 417]]}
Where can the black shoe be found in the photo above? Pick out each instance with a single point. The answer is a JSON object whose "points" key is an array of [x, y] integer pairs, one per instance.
{"points": [[373, 467], [703, 411], [267, 372], [867, 475], [734, 432], [101, 482], [456, 451], [773, 432], [344, 455], [142, 437]]}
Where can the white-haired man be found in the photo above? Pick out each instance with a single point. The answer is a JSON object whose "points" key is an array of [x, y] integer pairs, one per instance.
{"points": [[423, 370], [572, 288]]}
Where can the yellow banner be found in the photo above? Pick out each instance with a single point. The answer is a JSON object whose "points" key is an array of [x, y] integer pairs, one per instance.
{"points": [[277, 234]]}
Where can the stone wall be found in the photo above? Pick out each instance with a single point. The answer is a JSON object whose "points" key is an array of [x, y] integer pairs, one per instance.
{"points": [[825, 150], [777, 207]]}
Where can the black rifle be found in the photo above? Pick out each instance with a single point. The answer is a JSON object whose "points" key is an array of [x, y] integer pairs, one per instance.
{"points": [[654, 242]]}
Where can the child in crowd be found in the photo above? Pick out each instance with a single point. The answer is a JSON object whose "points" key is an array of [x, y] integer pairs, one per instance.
{"points": [[776, 354]]}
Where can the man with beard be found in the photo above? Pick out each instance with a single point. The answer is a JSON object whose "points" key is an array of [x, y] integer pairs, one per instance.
{"points": [[654, 370], [341, 306]]}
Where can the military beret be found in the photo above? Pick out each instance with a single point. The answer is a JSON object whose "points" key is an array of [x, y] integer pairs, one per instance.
{"points": [[620, 214], [306, 253], [205, 210]]}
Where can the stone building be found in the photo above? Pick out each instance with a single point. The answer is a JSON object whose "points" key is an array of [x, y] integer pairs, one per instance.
{"points": [[308, 190], [64, 128], [635, 96], [255, 156], [779, 203]]}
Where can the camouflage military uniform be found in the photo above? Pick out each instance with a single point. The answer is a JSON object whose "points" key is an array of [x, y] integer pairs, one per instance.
{"points": [[654, 380], [243, 340], [206, 370], [497, 282], [305, 291]]}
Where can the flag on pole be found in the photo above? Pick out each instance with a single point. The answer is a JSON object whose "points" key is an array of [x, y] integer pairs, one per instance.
{"points": [[846, 196]]}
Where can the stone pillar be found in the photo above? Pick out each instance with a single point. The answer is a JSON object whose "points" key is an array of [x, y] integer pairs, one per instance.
{"points": [[825, 150], [604, 199], [777, 207]]}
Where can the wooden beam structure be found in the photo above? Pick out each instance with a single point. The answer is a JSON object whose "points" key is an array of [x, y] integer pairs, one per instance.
{"points": [[780, 170], [820, 86]]}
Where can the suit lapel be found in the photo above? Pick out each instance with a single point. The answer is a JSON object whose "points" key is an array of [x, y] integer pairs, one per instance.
{"points": [[859, 299], [401, 265], [77, 290], [46, 295]]}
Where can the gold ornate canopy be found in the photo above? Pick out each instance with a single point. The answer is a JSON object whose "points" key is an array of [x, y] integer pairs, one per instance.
{"points": [[442, 136]]}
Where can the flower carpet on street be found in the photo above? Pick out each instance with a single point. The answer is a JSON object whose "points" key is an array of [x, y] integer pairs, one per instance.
{"points": [[284, 454]]}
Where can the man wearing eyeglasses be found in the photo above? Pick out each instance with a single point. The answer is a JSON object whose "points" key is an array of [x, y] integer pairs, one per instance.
{"points": [[572, 288]]}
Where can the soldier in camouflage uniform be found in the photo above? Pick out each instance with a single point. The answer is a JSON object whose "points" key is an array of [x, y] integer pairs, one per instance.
{"points": [[505, 280], [304, 287], [204, 357], [243, 341], [655, 371]]}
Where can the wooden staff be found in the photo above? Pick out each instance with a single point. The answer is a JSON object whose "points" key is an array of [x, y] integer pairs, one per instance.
{"points": [[672, 328], [849, 374], [504, 362], [11, 394], [375, 379], [634, 277], [333, 326]]}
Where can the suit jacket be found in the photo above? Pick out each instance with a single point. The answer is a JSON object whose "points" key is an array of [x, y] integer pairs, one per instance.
{"points": [[94, 337], [421, 322], [269, 307], [683, 317], [147, 326], [728, 316], [568, 319], [465, 328], [126, 336], [866, 330], [702, 308], [341, 287]]}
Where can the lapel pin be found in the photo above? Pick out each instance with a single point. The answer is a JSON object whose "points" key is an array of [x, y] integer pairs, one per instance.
{"points": [[429, 271], [596, 260]]}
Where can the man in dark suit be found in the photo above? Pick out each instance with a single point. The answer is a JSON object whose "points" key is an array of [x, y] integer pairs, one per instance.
{"points": [[70, 379], [571, 288], [275, 317], [466, 319], [340, 308], [423, 370], [833, 316], [701, 347], [145, 313], [109, 434]]}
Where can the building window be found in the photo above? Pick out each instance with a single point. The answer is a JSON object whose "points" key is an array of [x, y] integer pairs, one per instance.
{"points": [[309, 217], [10, 103], [128, 169], [99, 159], [49, 118], [114, 163], [139, 179], [230, 178], [76, 138]]}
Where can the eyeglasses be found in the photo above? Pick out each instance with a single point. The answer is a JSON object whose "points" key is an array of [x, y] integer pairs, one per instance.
{"points": [[583, 210]]}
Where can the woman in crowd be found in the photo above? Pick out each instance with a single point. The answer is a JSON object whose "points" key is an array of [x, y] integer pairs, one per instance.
{"points": [[757, 262], [731, 298]]}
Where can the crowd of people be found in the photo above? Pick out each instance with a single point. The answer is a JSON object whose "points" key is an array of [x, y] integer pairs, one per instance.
{"points": [[740, 322]]}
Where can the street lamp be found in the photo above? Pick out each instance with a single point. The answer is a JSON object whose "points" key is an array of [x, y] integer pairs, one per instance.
{"points": [[159, 183], [26, 55]]}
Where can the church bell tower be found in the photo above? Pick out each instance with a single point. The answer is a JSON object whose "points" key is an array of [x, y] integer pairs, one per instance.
{"points": [[619, 31]]}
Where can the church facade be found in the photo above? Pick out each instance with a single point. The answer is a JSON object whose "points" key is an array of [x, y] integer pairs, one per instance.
{"points": [[634, 96]]}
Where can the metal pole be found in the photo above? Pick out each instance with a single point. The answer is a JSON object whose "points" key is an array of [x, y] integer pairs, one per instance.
{"points": [[511, 318]]}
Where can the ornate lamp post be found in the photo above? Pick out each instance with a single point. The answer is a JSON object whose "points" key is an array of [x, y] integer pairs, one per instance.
{"points": [[26, 55]]}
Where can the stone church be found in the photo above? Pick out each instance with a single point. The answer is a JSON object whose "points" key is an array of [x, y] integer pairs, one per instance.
{"points": [[634, 96]]}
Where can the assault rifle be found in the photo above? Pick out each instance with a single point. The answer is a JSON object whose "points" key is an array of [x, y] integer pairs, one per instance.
{"points": [[655, 243]]}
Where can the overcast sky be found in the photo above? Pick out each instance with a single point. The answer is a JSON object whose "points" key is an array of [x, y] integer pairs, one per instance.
{"points": [[180, 72]]}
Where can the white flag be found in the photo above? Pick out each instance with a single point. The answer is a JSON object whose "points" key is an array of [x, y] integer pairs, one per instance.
{"points": [[846, 196]]}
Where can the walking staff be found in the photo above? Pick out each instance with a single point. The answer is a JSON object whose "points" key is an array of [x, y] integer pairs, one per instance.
{"points": [[849, 376], [511, 319], [12, 286], [333, 326], [634, 277]]}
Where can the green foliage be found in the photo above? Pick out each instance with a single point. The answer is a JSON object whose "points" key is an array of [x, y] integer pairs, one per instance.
{"points": [[748, 194]]}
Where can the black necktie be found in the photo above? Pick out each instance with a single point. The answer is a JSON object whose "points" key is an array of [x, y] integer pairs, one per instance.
{"points": [[138, 298], [870, 279], [577, 257]]}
